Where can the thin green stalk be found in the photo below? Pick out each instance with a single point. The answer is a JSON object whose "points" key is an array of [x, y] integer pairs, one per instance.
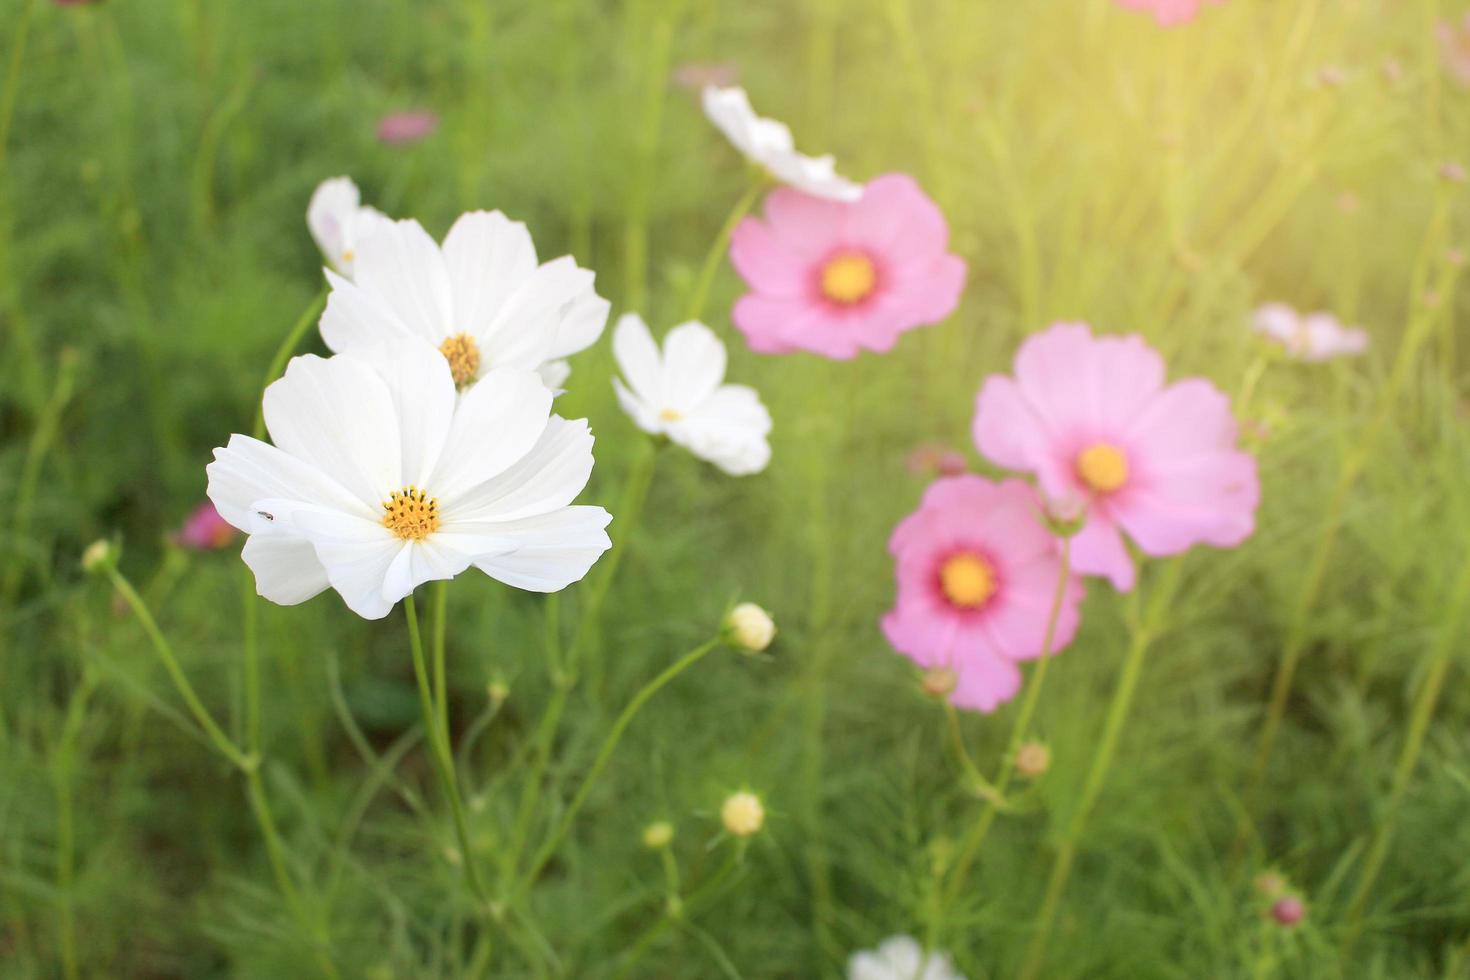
{"points": [[609, 745], [699, 295], [12, 74], [1440, 660], [63, 772], [438, 740], [970, 849], [440, 626], [635, 233], [283, 353], [1144, 632]]}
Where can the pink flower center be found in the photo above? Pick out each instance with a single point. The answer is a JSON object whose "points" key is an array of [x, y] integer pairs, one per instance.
{"points": [[848, 278], [1103, 467], [967, 580]]}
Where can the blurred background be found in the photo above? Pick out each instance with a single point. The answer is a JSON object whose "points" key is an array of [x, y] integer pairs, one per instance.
{"points": [[156, 159]]}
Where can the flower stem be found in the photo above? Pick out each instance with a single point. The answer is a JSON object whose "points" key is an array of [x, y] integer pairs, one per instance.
{"points": [[1440, 659], [1143, 634], [609, 745], [699, 295], [12, 72], [438, 738]]}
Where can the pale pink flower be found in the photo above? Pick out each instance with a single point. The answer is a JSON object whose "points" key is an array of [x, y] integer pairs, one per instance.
{"points": [[835, 278], [932, 459], [977, 573], [204, 530], [1169, 12], [1311, 337], [1091, 416], [407, 127], [1454, 46]]}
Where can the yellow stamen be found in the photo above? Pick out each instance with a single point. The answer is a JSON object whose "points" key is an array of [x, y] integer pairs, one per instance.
{"points": [[463, 355], [848, 278], [411, 514], [968, 581], [348, 256], [671, 415], [1103, 467]]}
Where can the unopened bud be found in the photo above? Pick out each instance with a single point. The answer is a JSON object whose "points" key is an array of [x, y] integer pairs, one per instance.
{"points": [[1065, 515], [742, 814], [497, 690], [1288, 911], [939, 682], [1033, 759], [99, 556], [750, 628], [658, 835]]}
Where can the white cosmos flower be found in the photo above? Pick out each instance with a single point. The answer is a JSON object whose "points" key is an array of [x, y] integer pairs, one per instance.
{"points": [[769, 144], [677, 393], [481, 299], [899, 958], [382, 477], [1313, 337], [340, 222]]}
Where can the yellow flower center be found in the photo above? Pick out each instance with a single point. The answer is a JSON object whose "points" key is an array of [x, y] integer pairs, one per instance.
{"points": [[1103, 467], [967, 580], [463, 355], [671, 415], [848, 278], [348, 256], [411, 514]]}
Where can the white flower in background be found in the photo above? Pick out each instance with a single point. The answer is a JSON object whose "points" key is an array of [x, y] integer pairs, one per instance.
{"points": [[482, 299], [1313, 337], [769, 144], [340, 222], [900, 958], [382, 477], [678, 393]]}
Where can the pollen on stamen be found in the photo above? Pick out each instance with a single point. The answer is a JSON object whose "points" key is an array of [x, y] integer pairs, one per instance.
{"points": [[1103, 467], [671, 415], [967, 580], [411, 514], [848, 278], [348, 256], [463, 355]]}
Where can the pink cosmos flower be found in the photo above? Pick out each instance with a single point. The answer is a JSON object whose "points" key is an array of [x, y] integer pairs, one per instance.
{"points": [[835, 278], [1169, 12], [204, 530], [1454, 45], [1313, 337], [1092, 417], [977, 573], [407, 127]]}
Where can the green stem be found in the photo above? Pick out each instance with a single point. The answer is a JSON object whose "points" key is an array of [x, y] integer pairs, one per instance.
{"points": [[635, 233], [64, 771], [699, 295], [440, 626], [609, 745], [283, 353], [12, 73], [438, 739], [1440, 660], [1143, 634]]}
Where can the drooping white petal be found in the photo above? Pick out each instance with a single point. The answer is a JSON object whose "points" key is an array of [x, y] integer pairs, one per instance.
{"points": [[328, 215], [401, 266], [554, 550], [248, 470], [495, 424], [694, 365], [581, 323], [286, 569], [488, 257], [356, 553], [728, 429], [639, 359], [423, 394], [769, 144], [429, 560], [547, 478], [523, 333], [337, 414]]}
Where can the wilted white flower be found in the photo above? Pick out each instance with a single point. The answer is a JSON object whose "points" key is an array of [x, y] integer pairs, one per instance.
{"points": [[481, 299], [750, 627], [743, 814], [768, 143], [340, 222], [901, 958], [678, 393], [1313, 337], [382, 478]]}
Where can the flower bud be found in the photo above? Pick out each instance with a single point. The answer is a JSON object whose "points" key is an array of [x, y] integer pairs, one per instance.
{"points": [[1288, 911], [939, 682], [658, 835], [742, 814], [99, 556], [1065, 515], [1033, 759], [750, 628]]}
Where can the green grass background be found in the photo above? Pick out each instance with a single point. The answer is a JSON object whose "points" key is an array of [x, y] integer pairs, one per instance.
{"points": [[153, 254]]}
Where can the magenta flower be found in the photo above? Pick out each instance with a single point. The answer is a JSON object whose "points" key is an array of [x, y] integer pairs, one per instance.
{"points": [[1169, 12], [1091, 417], [204, 530], [1454, 45], [835, 278], [977, 573], [407, 127]]}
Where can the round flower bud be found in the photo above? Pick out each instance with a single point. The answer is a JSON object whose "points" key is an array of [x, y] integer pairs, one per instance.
{"points": [[658, 835], [1288, 911], [1065, 515], [99, 555], [939, 682], [1033, 760], [750, 628], [742, 814]]}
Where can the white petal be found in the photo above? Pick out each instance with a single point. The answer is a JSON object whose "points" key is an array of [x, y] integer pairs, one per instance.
{"points": [[638, 358], [424, 396], [729, 430], [581, 324], [402, 268], [356, 318], [554, 375], [356, 553], [429, 560], [337, 414], [524, 332], [248, 470], [496, 423], [644, 415], [694, 365], [286, 569], [488, 258], [555, 550], [332, 206], [547, 478]]}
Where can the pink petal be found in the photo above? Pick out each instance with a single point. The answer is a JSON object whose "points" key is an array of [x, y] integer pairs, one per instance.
{"points": [[807, 225], [1098, 549], [1205, 498], [766, 262], [985, 682]]}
